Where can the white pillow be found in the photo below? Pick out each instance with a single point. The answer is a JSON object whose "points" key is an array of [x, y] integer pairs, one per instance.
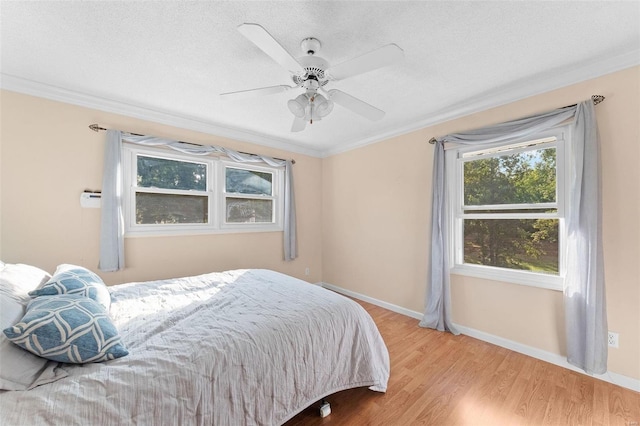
{"points": [[19, 369], [16, 280]]}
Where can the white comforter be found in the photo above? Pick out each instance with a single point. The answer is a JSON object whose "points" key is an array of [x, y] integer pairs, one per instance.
{"points": [[241, 347]]}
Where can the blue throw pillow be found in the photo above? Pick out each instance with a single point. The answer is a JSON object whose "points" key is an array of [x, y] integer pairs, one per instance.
{"points": [[77, 280], [67, 328]]}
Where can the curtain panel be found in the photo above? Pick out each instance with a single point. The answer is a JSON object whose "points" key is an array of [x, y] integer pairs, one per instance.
{"points": [[584, 287], [112, 219], [112, 230]]}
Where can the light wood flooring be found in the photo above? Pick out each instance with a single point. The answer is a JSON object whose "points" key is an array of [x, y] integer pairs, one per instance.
{"points": [[441, 379]]}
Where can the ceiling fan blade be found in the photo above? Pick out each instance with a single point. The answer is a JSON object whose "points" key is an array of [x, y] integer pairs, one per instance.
{"points": [[383, 56], [269, 45], [356, 105], [247, 94], [298, 124]]}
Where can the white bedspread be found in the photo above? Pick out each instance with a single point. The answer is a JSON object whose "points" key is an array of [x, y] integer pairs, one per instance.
{"points": [[245, 347]]}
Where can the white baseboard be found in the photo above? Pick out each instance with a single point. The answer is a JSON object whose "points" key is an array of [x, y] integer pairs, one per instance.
{"points": [[389, 306], [550, 357], [559, 360]]}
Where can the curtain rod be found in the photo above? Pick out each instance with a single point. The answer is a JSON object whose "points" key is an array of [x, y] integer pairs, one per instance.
{"points": [[96, 128], [595, 98]]}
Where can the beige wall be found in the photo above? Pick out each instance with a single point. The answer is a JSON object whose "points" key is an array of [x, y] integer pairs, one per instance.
{"points": [[376, 213], [49, 156]]}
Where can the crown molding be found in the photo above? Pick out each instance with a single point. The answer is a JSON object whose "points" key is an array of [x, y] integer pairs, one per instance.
{"points": [[525, 88], [46, 91], [541, 83]]}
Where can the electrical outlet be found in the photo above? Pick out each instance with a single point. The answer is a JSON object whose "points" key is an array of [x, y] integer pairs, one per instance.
{"points": [[307, 271], [613, 339]]}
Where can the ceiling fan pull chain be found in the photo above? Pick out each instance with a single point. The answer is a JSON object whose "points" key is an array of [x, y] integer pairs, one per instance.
{"points": [[311, 109]]}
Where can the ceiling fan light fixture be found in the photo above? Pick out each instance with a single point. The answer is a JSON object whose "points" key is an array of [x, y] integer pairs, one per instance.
{"points": [[323, 106], [298, 106]]}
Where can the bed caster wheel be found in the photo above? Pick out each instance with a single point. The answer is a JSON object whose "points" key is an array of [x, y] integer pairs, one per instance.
{"points": [[325, 409]]}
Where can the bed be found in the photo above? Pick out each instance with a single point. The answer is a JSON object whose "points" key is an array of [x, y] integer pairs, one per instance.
{"points": [[242, 347]]}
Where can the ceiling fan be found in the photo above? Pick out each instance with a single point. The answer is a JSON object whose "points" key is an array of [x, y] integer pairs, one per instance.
{"points": [[312, 73]]}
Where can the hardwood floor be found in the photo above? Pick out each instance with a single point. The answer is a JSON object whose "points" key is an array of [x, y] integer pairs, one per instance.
{"points": [[441, 379]]}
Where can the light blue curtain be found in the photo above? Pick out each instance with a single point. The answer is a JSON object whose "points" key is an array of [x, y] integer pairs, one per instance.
{"points": [[110, 239], [112, 220], [290, 232], [584, 289], [437, 314]]}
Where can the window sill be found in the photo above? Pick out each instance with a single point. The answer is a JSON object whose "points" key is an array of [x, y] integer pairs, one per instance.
{"points": [[532, 279], [200, 231]]}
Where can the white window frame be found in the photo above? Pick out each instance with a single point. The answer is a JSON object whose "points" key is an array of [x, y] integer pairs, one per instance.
{"points": [[455, 158], [277, 190], [215, 193]]}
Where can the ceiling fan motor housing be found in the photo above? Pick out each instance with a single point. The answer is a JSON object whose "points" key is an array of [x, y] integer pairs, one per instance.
{"points": [[314, 67]]}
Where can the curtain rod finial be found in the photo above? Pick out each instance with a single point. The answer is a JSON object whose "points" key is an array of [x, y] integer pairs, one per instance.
{"points": [[94, 127], [432, 141], [597, 99]]}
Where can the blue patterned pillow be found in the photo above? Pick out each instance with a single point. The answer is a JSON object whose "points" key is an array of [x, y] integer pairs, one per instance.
{"points": [[67, 328], [75, 280]]}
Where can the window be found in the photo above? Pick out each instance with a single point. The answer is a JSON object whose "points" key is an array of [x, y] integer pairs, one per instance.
{"points": [[248, 196], [168, 193], [507, 210]]}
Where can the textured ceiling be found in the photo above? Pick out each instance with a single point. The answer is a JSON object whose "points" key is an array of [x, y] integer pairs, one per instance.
{"points": [[169, 61]]}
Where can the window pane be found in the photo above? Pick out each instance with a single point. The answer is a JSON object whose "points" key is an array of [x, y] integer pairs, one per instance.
{"points": [[171, 174], [242, 181], [243, 210], [169, 208], [523, 178], [525, 244]]}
